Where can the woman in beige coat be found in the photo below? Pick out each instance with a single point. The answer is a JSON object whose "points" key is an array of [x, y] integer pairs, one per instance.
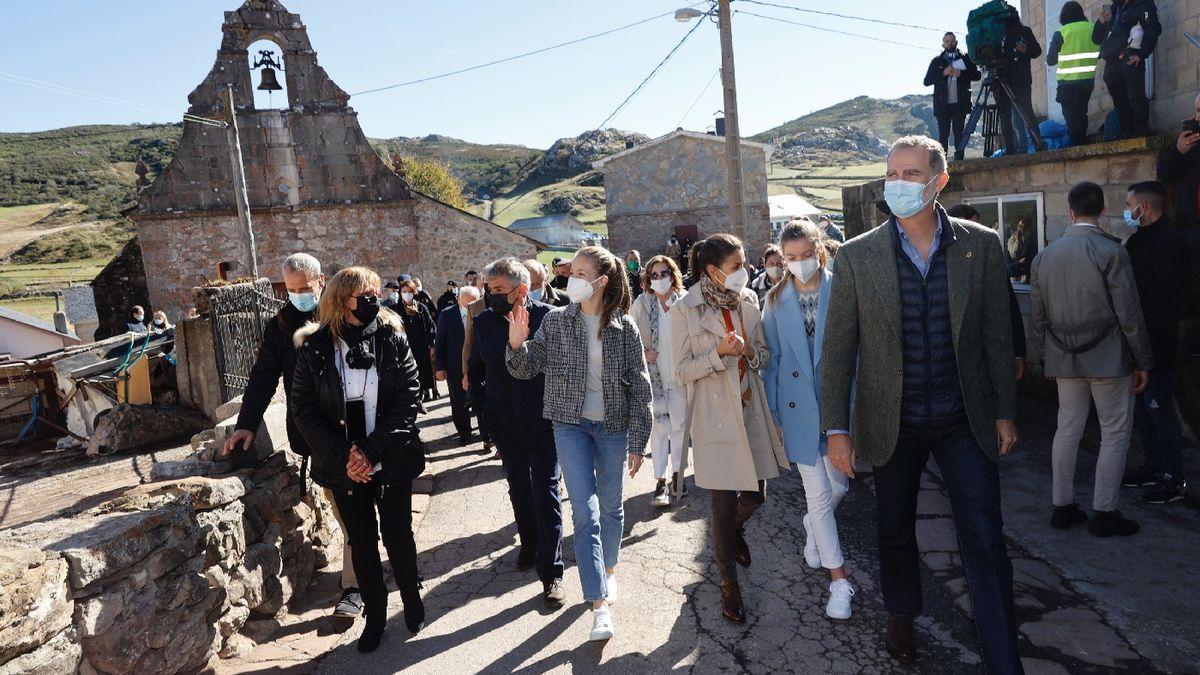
{"points": [[717, 339]]}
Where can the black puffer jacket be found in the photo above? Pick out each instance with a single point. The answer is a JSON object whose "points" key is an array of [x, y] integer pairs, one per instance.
{"points": [[319, 406], [276, 356]]}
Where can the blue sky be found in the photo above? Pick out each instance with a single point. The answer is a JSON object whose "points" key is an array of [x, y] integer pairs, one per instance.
{"points": [[154, 53]]}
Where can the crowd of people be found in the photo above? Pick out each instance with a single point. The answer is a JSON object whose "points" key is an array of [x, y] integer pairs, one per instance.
{"points": [[885, 349], [1123, 36]]}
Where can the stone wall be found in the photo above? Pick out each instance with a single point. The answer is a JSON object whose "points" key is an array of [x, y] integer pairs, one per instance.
{"points": [[858, 207], [1176, 63], [118, 287], [648, 232], [170, 576]]}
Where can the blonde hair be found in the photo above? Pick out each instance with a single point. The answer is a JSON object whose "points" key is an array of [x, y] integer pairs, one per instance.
{"points": [[676, 276], [332, 310], [617, 296], [797, 230]]}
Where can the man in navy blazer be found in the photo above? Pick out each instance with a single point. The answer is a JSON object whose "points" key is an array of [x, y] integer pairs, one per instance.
{"points": [[512, 412], [447, 355]]}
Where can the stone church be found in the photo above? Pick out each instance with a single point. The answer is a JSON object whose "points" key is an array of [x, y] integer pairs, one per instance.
{"points": [[314, 183]]}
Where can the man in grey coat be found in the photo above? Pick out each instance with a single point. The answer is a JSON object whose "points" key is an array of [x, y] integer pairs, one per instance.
{"points": [[918, 322], [1089, 332]]}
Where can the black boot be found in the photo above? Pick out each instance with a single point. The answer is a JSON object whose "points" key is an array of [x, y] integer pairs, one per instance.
{"points": [[414, 609], [373, 632]]}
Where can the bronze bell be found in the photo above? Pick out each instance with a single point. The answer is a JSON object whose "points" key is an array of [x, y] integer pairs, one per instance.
{"points": [[268, 82]]}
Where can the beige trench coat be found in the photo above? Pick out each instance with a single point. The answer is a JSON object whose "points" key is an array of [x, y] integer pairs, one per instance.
{"points": [[733, 448]]}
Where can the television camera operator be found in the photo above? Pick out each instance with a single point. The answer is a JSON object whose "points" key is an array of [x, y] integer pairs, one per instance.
{"points": [[951, 74], [1017, 51]]}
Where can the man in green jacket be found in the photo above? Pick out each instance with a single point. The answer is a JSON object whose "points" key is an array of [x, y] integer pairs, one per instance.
{"points": [[918, 322]]}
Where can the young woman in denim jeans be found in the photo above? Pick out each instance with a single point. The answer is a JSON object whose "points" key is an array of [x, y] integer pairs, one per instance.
{"points": [[598, 397]]}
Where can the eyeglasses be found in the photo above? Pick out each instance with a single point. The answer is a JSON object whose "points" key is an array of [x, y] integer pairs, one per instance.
{"points": [[655, 276]]}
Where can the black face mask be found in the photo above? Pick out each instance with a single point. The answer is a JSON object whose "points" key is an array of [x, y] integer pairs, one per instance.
{"points": [[367, 308], [499, 303]]}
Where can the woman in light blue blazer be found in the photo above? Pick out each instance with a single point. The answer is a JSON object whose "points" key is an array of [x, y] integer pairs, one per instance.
{"points": [[794, 323]]}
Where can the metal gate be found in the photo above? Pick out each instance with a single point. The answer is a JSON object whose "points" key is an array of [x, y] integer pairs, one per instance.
{"points": [[238, 320]]}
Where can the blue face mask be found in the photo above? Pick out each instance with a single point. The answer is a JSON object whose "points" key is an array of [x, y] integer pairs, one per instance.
{"points": [[906, 198], [536, 295], [305, 302], [1131, 222]]}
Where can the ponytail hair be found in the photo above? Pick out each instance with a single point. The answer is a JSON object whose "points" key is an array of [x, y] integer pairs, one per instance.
{"points": [[794, 231], [617, 295], [714, 251]]}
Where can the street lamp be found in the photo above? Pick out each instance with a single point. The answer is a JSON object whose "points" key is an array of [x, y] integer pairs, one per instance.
{"points": [[687, 14]]}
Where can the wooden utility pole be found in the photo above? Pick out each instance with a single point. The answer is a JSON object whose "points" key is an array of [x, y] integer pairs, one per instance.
{"points": [[733, 149], [240, 195]]}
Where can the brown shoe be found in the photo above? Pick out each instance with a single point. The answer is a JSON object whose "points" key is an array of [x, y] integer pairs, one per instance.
{"points": [[731, 603], [553, 593], [741, 551], [901, 640]]}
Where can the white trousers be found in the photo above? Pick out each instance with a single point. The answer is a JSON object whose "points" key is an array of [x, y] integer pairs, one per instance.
{"points": [[824, 487], [1114, 407], [666, 432]]}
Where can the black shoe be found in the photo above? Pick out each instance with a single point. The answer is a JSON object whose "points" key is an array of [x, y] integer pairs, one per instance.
{"points": [[1112, 524], [678, 485], [1143, 476], [372, 633], [464, 440], [553, 593], [421, 408], [488, 445], [526, 559], [742, 551], [901, 640], [1169, 489], [1066, 516], [351, 604], [414, 609]]}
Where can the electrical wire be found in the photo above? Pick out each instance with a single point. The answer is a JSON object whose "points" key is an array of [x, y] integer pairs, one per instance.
{"points": [[844, 16], [702, 93], [80, 93], [832, 30]]}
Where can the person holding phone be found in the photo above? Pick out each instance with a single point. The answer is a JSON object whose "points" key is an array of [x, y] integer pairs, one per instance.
{"points": [[355, 396], [1127, 32], [1179, 167]]}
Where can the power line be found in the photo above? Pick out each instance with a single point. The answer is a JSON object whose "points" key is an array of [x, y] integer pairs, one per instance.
{"points": [[79, 93], [831, 30], [518, 56], [702, 93], [844, 16]]}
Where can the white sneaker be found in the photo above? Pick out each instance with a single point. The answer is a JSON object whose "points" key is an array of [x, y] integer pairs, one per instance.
{"points": [[610, 588], [840, 592], [602, 625], [812, 554]]}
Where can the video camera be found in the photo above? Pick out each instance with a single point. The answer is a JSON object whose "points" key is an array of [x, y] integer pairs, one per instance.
{"points": [[986, 27]]}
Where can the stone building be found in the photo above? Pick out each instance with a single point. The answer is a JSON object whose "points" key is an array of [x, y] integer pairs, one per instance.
{"points": [[677, 184], [315, 184], [117, 288]]}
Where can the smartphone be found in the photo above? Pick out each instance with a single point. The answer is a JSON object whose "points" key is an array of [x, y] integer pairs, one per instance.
{"points": [[1191, 125]]}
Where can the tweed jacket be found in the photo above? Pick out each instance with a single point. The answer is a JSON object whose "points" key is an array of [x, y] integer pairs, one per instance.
{"points": [[864, 343], [1087, 316], [559, 349]]}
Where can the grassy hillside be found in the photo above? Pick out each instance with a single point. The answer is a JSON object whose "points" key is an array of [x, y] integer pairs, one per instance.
{"points": [[887, 119]]}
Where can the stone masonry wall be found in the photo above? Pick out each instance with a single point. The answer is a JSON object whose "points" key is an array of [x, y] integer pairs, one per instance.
{"points": [[118, 287], [680, 174], [648, 232], [170, 576]]}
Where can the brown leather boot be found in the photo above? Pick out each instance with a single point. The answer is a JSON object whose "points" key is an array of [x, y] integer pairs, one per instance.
{"points": [[731, 603], [901, 640], [741, 552]]}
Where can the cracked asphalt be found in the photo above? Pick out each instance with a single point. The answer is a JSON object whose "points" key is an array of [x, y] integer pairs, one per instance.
{"points": [[486, 616]]}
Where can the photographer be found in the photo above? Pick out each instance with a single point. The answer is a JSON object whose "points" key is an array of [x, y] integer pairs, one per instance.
{"points": [[951, 74], [1018, 50], [1127, 32], [1073, 50]]}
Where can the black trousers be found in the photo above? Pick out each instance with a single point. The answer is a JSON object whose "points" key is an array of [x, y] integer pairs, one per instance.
{"points": [[1127, 87], [531, 466], [731, 509], [947, 122], [459, 412], [1023, 94], [1074, 97], [393, 505], [974, 484]]}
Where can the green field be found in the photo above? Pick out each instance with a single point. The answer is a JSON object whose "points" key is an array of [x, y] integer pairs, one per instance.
{"points": [[821, 185], [40, 307]]}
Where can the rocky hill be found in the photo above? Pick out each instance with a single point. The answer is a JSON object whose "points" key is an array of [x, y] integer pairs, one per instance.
{"points": [[483, 169], [570, 157]]}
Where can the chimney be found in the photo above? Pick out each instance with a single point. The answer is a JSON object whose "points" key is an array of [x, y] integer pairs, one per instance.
{"points": [[60, 323], [721, 125]]}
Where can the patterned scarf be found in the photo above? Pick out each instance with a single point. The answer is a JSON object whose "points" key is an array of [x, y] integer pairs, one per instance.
{"points": [[719, 296], [655, 311]]}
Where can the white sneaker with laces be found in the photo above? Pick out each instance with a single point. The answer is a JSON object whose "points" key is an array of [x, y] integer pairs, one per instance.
{"points": [[840, 592], [602, 625], [812, 554], [610, 588]]}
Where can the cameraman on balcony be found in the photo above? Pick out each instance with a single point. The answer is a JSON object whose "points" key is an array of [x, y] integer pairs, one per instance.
{"points": [[1017, 51], [1127, 32]]}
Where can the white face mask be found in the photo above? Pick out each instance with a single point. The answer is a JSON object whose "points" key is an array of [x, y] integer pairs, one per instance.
{"points": [[804, 269], [737, 281], [660, 286], [580, 290], [407, 297], [773, 273]]}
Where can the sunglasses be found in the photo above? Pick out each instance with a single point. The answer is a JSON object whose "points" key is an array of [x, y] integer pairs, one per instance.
{"points": [[655, 276]]}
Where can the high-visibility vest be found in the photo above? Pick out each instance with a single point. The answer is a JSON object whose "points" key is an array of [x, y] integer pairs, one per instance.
{"points": [[1079, 55]]}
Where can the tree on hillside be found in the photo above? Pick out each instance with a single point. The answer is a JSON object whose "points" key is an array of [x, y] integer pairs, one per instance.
{"points": [[429, 177]]}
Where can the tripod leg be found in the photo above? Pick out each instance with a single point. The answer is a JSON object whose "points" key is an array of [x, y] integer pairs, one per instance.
{"points": [[976, 112], [1030, 127]]}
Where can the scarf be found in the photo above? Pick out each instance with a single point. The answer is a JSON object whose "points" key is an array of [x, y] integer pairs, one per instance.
{"points": [[655, 312], [719, 296], [360, 355]]}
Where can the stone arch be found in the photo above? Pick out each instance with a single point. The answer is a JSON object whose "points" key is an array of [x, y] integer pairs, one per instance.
{"points": [[265, 100]]}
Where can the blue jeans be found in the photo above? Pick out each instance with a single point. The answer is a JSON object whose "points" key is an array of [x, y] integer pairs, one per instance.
{"points": [[593, 463], [974, 484], [1156, 422]]}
